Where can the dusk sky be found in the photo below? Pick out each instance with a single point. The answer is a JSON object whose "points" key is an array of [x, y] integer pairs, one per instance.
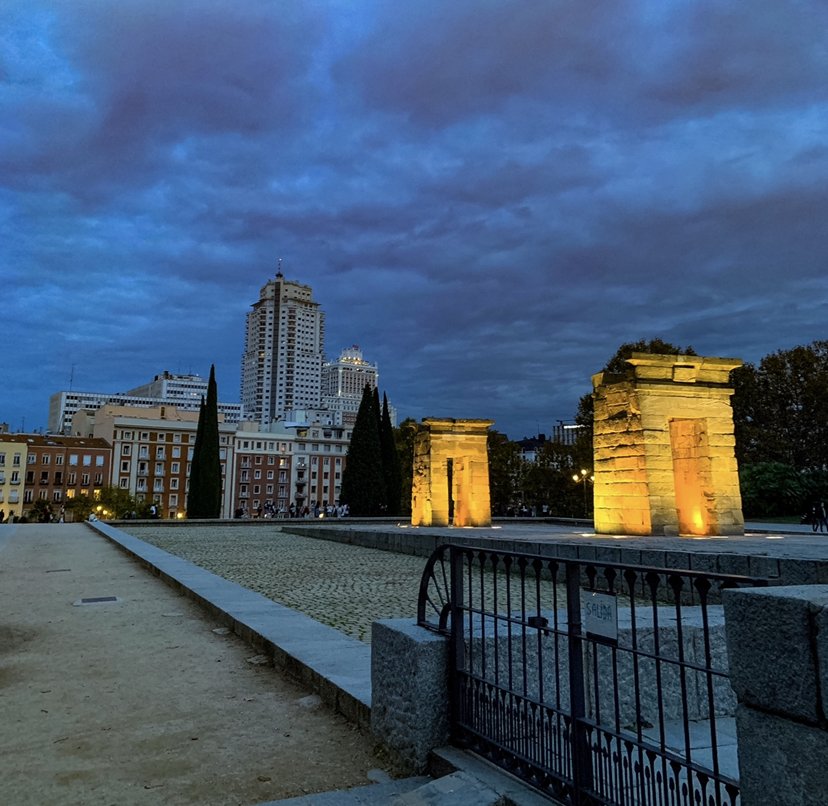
{"points": [[488, 196]]}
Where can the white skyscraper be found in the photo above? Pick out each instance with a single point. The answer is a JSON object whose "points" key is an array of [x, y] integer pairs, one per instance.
{"points": [[343, 381], [283, 352]]}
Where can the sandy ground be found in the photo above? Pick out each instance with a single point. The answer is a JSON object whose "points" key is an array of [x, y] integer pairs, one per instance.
{"points": [[141, 701]]}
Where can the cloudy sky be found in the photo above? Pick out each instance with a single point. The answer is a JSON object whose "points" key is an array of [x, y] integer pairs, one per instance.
{"points": [[488, 196]]}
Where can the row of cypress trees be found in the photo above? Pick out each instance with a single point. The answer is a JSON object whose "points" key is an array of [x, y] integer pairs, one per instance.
{"points": [[372, 481]]}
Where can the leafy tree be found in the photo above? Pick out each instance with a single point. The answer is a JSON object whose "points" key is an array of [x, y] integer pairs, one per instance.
{"points": [[119, 503], [771, 489], [41, 512], [390, 463], [362, 488], [404, 435], [506, 471], [780, 408], [204, 497], [80, 506], [616, 365]]}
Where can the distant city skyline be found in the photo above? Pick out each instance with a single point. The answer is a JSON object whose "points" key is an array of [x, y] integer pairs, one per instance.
{"points": [[489, 198]]}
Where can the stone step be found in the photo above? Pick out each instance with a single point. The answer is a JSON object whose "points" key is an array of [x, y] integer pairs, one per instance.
{"points": [[381, 794]]}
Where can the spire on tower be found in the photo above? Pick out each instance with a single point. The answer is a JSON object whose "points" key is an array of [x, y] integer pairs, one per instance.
{"points": [[279, 269]]}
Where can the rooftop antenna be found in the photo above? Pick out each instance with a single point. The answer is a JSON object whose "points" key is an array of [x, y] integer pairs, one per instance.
{"points": [[279, 268], [71, 377]]}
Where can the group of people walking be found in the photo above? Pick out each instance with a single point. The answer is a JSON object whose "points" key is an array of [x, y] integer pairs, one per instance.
{"points": [[818, 517]]}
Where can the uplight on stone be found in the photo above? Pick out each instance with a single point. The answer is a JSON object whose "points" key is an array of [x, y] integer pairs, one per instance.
{"points": [[664, 448]]}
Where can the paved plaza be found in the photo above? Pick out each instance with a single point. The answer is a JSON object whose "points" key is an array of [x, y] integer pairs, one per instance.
{"points": [[343, 586], [348, 587]]}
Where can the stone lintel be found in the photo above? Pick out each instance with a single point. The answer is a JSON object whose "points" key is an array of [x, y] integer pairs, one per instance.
{"points": [[448, 425], [683, 368]]}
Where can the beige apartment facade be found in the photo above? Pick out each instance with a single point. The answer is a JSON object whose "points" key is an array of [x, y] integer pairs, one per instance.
{"points": [[152, 448]]}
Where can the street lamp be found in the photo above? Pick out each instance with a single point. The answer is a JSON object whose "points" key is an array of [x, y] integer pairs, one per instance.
{"points": [[582, 479]]}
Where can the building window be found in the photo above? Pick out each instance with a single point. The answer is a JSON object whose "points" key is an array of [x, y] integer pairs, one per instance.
{"points": [[175, 467], [87, 460], [126, 450], [72, 480], [176, 451], [32, 458], [59, 459], [45, 459], [73, 459], [16, 460], [84, 480], [99, 460]]}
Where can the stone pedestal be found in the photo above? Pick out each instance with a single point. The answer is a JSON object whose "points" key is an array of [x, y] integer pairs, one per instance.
{"points": [[451, 474], [664, 448], [777, 643], [409, 684]]}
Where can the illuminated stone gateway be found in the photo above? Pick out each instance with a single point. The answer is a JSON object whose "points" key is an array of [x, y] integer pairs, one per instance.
{"points": [[664, 448], [451, 474]]}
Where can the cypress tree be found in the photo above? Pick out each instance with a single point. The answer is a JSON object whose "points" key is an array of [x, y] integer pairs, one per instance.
{"points": [[392, 474], [194, 489], [362, 483], [204, 498]]}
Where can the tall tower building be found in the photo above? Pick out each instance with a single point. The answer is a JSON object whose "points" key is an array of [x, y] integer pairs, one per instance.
{"points": [[343, 381], [283, 352]]}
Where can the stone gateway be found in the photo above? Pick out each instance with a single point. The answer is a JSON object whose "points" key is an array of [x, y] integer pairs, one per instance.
{"points": [[664, 448]]}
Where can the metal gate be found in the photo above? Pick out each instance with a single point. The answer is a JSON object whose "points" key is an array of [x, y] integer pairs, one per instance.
{"points": [[596, 683]]}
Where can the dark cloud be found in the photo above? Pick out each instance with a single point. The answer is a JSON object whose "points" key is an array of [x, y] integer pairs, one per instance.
{"points": [[489, 197]]}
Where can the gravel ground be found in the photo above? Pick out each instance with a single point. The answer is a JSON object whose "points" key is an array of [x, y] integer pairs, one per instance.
{"points": [[346, 587]]}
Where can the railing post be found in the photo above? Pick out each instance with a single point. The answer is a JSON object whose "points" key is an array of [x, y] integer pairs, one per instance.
{"points": [[457, 647], [581, 753]]}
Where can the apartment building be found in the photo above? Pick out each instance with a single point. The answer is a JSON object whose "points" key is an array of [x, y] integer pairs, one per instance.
{"points": [[152, 449], [289, 463], [52, 468], [166, 389]]}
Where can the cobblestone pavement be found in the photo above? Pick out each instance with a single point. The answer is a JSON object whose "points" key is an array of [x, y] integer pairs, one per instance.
{"points": [[346, 587]]}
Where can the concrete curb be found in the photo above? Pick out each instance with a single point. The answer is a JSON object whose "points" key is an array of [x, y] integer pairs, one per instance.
{"points": [[336, 667]]}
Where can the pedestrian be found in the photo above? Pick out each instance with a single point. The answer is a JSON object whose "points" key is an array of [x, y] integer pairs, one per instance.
{"points": [[2, 515], [822, 513]]}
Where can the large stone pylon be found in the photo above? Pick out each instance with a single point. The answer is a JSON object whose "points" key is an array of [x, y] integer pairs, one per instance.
{"points": [[664, 448], [451, 474]]}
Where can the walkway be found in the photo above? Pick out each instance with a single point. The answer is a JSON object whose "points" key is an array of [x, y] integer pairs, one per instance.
{"points": [[145, 699]]}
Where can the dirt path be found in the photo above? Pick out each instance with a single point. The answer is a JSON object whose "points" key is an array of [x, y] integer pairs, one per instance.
{"points": [[141, 701]]}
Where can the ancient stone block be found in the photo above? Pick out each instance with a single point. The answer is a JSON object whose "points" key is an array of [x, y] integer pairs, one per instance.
{"points": [[667, 463]]}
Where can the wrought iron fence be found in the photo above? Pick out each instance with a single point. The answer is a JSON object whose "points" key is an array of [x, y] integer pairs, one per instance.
{"points": [[597, 683]]}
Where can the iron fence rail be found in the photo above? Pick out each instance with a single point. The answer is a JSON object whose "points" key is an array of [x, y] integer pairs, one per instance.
{"points": [[597, 683]]}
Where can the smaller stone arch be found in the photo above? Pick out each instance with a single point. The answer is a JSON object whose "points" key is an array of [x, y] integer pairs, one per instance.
{"points": [[451, 473]]}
